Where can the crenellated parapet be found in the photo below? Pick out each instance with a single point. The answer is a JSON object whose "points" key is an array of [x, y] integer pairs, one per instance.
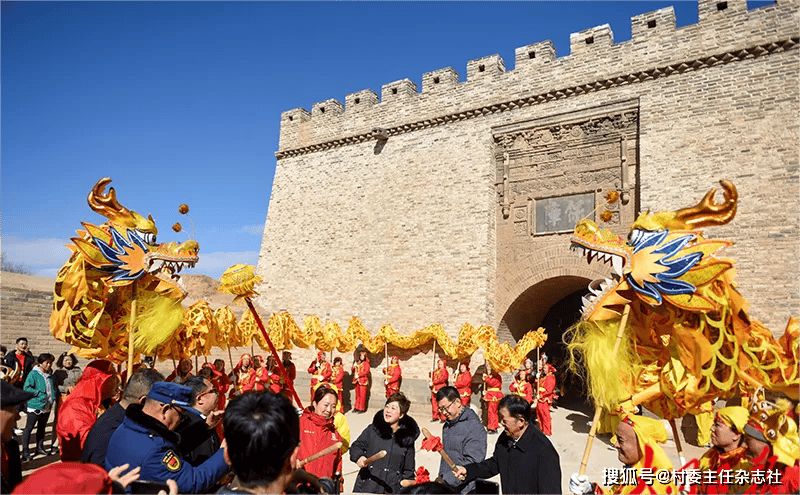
{"points": [[726, 32]]}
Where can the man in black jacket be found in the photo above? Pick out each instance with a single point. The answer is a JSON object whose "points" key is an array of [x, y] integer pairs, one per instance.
{"points": [[523, 456], [20, 362], [96, 446], [10, 398], [199, 439]]}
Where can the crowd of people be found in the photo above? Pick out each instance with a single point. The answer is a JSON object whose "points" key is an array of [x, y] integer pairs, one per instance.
{"points": [[240, 432]]}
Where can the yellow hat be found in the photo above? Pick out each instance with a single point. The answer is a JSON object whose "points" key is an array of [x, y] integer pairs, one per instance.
{"points": [[734, 416]]}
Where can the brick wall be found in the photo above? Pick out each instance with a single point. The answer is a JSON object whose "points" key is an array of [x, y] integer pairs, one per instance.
{"points": [[26, 313], [409, 230]]}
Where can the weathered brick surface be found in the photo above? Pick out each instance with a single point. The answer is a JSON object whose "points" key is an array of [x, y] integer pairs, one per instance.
{"points": [[410, 231], [26, 313]]}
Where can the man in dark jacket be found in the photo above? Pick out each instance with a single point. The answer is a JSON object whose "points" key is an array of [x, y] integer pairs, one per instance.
{"points": [[523, 456], [395, 432], [20, 361], [463, 437], [94, 450], [10, 398], [199, 439], [147, 438]]}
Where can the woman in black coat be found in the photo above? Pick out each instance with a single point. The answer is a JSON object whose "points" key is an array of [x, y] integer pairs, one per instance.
{"points": [[391, 430]]}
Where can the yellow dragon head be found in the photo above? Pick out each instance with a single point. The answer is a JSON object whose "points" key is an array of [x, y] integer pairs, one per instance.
{"points": [[112, 265], [664, 258], [689, 338]]}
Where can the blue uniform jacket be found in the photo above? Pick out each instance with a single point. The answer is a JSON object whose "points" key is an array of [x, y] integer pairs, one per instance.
{"points": [[142, 440]]}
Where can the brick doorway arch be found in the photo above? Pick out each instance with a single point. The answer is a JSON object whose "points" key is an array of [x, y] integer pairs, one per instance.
{"points": [[529, 309], [534, 284]]}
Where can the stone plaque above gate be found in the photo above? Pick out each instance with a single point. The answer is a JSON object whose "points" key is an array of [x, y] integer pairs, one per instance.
{"points": [[554, 170], [560, 214]]}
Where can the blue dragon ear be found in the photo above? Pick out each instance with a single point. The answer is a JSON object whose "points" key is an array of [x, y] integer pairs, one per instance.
{"points": [[646, 289], [675, 245], [119, 241], [673, 287], [679, 266], [648, 239], [109, 252], [126, 275], [134, 238], [113, 253]]}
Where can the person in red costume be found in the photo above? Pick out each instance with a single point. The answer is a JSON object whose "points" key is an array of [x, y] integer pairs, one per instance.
{"points": [[240, 374], [394, 375], [275, 378], [221, 381], [317, 432], [257, 377], [493, 392], [361, 376], [439, 379], [522, 387], [291, 374], [544, 398], [464, 382], [338, 380], [321, 372], [182, 372], [80, 409]]}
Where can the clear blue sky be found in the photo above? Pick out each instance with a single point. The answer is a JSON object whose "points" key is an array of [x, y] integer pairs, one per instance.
{"points": [[180, 102]]}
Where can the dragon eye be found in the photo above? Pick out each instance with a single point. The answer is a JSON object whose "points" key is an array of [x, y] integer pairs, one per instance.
{"points": [[148, 237], [635, 236]]}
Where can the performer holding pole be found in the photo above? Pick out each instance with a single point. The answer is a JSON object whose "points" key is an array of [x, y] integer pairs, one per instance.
{"points": [[493, 386], [394, 376], [361, 376], [240, 280], [439, 379]]}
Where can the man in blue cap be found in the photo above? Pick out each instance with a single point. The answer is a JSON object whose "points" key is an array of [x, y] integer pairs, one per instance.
{"points": [[147, 438]]}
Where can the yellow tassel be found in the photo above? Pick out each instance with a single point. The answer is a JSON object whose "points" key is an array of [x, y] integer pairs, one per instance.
{"points": [[156, 322], [609, 380]]}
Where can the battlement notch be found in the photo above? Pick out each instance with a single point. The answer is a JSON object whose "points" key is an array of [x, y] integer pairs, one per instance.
{"points": [[709, 10], [398, 90], [327, 108], [295, 115], [591, 40], [534, 54], [481, 68], [439, 80], [653, 23], [360, 100]]}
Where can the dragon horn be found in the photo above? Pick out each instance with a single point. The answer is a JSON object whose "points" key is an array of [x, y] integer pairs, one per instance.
{"points": [[707, 211], [106, 204]]}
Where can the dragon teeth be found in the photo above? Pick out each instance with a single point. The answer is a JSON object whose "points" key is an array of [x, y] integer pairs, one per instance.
{"points": [[617, 263]]}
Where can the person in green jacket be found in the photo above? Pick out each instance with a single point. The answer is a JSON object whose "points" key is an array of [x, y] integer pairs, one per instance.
{"points": [[40, 384]]}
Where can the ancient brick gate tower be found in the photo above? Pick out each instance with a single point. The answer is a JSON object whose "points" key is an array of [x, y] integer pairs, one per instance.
{"points": [[453, 204]]}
